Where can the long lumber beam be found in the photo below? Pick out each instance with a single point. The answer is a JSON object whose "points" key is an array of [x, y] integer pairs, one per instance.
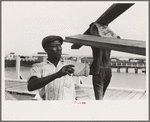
{"points": [[108, 16], [123, 45]]}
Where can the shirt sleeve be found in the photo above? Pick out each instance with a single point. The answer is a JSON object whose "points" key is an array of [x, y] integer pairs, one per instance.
{"points": [[35, 71]]}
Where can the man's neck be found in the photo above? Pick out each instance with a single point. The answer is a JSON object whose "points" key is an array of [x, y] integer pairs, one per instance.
{"points": [[53, 60]]}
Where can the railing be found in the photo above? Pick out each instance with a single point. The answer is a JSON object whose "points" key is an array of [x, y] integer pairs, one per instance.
{"points": [[129, 65], [18, 74], [18, 67]]}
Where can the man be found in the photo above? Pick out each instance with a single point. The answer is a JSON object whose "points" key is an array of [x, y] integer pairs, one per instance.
{"points": [[52, 78], [101, 68]]}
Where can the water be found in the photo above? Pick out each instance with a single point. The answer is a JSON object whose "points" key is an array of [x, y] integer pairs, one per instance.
{"points": [[122, 79]]}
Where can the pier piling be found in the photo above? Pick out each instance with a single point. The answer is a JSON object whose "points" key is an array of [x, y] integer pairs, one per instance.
{"points": [[136, 70], [127, 70], [118, 69]]}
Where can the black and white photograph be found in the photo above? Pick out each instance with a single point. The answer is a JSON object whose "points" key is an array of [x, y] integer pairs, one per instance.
{"points": [[74, 60]]}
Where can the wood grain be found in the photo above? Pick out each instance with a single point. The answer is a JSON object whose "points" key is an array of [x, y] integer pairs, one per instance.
{"points": [[108, 16], [123, 45]]}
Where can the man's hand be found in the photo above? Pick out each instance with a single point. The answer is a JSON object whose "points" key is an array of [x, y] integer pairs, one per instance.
{"points": [[65, 70]]}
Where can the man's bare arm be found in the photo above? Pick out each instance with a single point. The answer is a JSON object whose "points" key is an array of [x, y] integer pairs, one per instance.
{"points": [[35, 83]]}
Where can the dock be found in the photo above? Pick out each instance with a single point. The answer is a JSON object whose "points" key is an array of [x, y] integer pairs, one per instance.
{"points": [[17, 90]]}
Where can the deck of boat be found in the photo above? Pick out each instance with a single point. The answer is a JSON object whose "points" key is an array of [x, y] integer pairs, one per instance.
{"points": [[17, 90]]}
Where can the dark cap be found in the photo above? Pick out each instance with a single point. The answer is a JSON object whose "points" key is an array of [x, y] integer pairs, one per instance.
{"points": [[51, 39]]}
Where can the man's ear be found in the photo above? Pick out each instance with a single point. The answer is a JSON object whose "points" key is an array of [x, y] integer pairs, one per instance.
{"points": [[94, 30]]}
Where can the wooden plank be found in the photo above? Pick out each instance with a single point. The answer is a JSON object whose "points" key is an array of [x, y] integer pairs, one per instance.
{"points": [[107, 93], [92, 97], [22, 92], [90, 93], [143, 97], [81, 95], [130, 96], [113, 12], [9, 85], [25, 91], [108, 90], [123, 96], [22, 96], [15, 85], [111, 94], [126, 89], [137, 96], [15, 80], [80, 92], [17, 89], [8, 96], [84, 98], [107, 96], [86, 94], [119, 93], [108, 16], [123, 45]]}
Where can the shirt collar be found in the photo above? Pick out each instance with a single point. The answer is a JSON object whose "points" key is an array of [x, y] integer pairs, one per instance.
{"points": [[48, 62]]}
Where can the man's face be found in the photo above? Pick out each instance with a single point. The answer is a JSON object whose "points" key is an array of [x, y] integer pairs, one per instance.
{"points": [[54, 49]]}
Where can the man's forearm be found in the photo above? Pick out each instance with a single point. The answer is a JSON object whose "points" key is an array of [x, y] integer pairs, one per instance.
{"points": [[35, 83]]}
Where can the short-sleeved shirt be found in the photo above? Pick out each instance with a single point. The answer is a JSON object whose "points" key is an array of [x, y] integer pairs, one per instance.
{"points": [[59, 89]]}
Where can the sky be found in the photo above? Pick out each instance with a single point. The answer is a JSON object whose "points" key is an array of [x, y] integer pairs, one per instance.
{"points": [[26, 23]]}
